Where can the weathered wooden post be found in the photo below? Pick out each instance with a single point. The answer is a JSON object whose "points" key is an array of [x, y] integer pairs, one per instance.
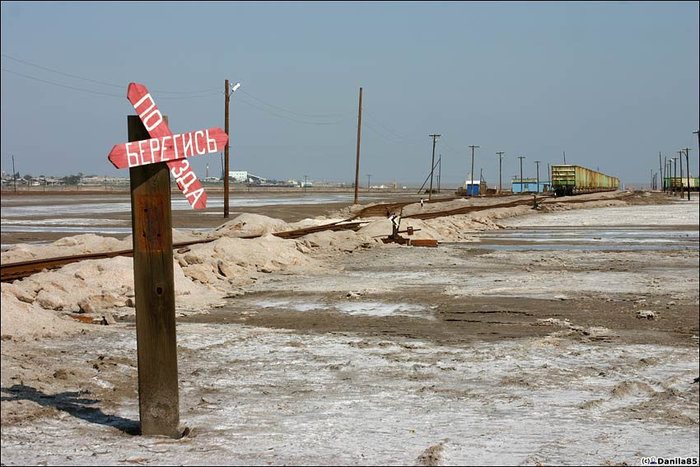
{"points": [[152, 153], [154, 289]]}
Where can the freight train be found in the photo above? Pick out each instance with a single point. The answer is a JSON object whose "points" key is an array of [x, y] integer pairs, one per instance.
{"points": [[576, 180]]}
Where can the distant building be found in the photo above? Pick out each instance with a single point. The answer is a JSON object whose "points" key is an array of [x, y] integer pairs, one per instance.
{"points": [[472, 187], [240, 176], [243, 176]]}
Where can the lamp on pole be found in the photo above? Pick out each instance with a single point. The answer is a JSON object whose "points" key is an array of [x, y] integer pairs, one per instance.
{"points": [[228, 92]]}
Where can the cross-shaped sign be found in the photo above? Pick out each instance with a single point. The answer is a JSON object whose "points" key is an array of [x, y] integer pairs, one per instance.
{"points": [[164, 146], [152, 154]]}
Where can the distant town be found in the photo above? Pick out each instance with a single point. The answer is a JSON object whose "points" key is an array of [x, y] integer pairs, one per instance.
{"points": [[236, 177]]}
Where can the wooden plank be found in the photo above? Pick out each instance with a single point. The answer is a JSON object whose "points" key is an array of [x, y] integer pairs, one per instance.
{"points": [[167, 148], [423, 242], [154, 294], [181, 170]]}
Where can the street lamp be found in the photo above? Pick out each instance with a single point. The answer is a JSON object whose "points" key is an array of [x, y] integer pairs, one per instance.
{"points": [[229, 91]]}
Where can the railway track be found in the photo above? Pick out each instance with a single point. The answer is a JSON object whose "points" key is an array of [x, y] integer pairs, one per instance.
{"points": [[18, 270]]}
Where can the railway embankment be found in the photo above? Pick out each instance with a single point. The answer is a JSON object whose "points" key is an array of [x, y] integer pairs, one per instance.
{"points": [[212, 266]]}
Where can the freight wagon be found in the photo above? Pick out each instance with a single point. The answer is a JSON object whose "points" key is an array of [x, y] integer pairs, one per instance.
{"points": [[681, 183], [576, 180]]}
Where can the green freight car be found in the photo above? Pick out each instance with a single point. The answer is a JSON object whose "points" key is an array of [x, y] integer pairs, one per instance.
{"points": [[576, 180]]}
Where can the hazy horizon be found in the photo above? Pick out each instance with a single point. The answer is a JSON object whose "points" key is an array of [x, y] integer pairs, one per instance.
{"points": [[610, 84]]}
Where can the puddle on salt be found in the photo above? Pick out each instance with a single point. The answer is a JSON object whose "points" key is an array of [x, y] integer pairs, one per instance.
{"points": [[588, 239], [352, 308]]}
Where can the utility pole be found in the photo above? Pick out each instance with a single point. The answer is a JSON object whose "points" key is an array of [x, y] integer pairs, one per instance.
{"points": [[14, 173], [500, 166], [472, 173], [687, 170], [673, 181], [660, 171], [521, 172], [538, 176], [680, 160], [357, 162], [432, 166], [665, 174], [226, 167], [228, 91]]}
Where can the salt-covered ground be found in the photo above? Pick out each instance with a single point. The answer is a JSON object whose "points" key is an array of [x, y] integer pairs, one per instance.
{"points": [[338, 350]]}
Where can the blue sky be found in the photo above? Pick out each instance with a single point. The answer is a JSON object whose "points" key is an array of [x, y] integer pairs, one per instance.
{"points": [[610, 83]]}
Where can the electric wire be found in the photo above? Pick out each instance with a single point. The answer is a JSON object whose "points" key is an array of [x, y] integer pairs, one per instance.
{"points": [[276, 114], [104, 83], [339, 114]]}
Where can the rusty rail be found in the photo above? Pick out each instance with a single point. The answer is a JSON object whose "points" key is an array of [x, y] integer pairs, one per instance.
{"points": [[13, 271]]}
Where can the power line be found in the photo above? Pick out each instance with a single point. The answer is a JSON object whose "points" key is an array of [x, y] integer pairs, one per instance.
{"points": [[91, 91], [290, 118], [297, 113], [62, 85], [395, 133], [104, 83]]}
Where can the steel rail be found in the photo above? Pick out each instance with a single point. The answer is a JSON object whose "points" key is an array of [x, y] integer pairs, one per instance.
{"points": [[19, 270]]}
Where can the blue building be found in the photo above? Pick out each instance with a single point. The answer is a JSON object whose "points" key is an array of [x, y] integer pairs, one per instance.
{"points": [[472, 188]]}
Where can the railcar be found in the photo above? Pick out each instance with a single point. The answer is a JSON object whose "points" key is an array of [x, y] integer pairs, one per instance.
{"points": [[576, 180]]}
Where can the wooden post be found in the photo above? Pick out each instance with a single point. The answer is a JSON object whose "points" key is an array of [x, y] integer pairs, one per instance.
{"points": [[357, 159], [226, 168], [155, 293]]}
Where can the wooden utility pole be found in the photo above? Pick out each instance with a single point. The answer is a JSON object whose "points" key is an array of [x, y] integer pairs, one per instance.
{"points": [[226, 166], [500, 166], [432, 167], [521, 173], [680, 160], [538, 176], [14, 174], [687, 170], [357, 161], [472, 174], [675, 173], [154, 289], [660, 170]]}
